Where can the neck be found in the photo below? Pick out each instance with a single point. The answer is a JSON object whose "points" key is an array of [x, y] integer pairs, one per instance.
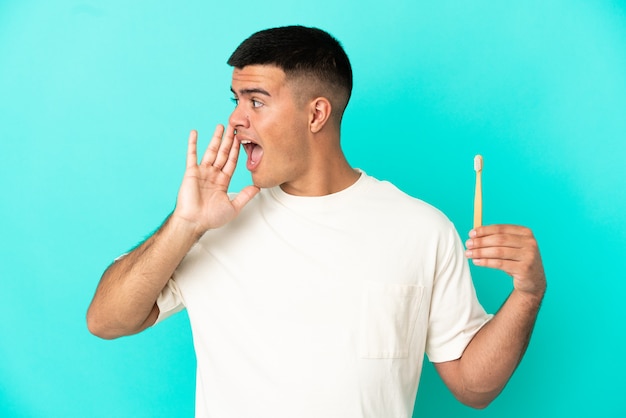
{"points": [[329, 172], [323, 185]]}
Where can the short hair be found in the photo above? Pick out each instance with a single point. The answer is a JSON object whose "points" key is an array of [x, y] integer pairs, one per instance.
{"points": [[300, 51]]}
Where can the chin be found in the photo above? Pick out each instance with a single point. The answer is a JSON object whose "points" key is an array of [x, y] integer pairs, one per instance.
{"points": [[262, 183]]}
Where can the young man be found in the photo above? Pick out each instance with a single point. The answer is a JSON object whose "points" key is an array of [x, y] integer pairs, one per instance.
{"points": [[316, 291]]}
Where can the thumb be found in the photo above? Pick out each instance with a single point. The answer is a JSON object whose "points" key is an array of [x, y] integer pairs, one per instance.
{"points": [[245, 196]]}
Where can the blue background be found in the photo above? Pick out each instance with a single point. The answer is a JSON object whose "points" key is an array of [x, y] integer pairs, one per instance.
{"points": [[96, 102]]}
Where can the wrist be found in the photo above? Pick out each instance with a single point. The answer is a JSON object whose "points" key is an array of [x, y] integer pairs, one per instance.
{"points": [[181, 225], [531, 299]]}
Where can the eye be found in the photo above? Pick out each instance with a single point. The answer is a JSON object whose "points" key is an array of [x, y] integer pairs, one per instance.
{"points": [[256, 103]]}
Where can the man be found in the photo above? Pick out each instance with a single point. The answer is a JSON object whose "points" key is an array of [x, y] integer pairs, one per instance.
{"points": [[316, 291]]}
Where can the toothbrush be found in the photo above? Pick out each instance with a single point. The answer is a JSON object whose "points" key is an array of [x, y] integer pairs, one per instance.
{"points": [[478, 192]]}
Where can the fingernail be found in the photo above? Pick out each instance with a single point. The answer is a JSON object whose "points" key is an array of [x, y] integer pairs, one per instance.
{"points": [[472, 233], [468, 254]]}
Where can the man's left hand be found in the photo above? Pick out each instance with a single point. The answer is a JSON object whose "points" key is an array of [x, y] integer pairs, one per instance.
{"points": [[512, 249]]}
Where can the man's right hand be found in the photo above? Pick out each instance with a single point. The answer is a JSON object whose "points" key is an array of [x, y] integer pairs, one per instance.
{"points": [[125, 300], [203, 202]]}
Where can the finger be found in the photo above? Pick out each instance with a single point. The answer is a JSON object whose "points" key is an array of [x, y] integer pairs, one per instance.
{"points": [[510, 267], [496, 253], [486, 230], [214, 145], [225, 149], [233, 155], [192, 152], [518, 269], [244, 197], [502, 235], [499, 240]]}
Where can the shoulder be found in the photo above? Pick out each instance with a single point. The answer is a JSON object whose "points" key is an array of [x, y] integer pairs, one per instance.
{"points": [[386, 197]]}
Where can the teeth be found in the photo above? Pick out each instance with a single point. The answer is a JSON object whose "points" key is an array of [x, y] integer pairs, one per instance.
{"points": [[245, 142]]}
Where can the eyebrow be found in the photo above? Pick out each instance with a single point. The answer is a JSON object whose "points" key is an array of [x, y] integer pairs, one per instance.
{"points": [[244, 92]]}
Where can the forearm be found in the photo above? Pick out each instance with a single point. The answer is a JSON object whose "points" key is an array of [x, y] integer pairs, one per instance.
{"points": [[129, 288], [494, 353]]}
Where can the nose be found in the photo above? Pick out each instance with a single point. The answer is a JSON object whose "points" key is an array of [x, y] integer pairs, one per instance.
{"points": [[239, 118]]}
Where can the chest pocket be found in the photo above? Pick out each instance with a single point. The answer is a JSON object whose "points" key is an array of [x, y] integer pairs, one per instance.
{"points": [[388, 316]]}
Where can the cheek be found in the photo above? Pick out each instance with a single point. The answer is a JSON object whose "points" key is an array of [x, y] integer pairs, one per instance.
{"points": [[284, 136], [294, 142]]}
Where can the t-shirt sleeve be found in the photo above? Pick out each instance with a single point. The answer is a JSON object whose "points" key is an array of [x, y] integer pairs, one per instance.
{"points": [[456, 315], [170, 301]]}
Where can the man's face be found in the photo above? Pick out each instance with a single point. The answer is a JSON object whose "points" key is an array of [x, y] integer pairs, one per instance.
{"points": [[271, 126]]}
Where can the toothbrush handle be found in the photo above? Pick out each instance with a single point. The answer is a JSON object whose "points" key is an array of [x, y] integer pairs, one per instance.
{"points": [[478, 200]]}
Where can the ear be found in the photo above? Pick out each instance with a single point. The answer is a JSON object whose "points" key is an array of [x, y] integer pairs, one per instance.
{"points": [[320, 109]]}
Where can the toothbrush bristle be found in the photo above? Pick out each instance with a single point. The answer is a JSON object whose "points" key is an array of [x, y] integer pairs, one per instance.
{"points": [[478, 163]]}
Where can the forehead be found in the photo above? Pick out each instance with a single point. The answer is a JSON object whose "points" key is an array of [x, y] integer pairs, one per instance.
{"points": [[267, 77]]}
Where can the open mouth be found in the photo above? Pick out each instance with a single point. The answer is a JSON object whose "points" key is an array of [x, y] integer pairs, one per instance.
{"points": [[254, 151]]}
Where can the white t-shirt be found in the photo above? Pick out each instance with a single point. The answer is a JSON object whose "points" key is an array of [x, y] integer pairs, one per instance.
{"points": [[324, 306]]}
